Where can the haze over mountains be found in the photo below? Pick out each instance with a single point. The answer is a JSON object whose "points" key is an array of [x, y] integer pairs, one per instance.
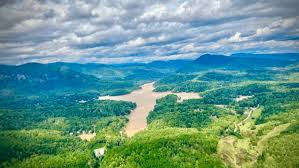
{"points": [[245, 61], [42, 78], [246, 106], [149, 83]]}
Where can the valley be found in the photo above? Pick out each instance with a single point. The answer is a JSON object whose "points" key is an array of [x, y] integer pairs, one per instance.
{"points": [[149, 84], [216, 111]]}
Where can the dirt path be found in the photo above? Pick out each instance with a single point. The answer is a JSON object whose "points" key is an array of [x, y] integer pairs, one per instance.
{"points": [[275, 132], [237, 126], [145, 100]]}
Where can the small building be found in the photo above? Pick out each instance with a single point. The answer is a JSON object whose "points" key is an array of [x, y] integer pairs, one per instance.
{"points": [[99, 152]]}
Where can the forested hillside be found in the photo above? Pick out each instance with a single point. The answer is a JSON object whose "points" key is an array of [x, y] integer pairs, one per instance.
{"points": [[247, 115], [44, 108], [249, 108], [68, 78]]}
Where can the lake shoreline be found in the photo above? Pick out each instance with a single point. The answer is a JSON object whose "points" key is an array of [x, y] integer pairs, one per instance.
{"points": [[145, 99]]}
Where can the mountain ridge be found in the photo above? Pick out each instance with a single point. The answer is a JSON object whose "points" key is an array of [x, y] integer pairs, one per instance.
{"points": [[241, 61]]}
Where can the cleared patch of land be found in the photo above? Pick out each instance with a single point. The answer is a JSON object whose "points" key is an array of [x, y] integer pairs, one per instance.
{"points": [[240, 98], [243, 152], [145, 99], [87, 136], [186, 95]]}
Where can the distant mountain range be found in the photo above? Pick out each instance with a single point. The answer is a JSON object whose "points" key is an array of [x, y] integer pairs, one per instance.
{"points": [[241, 61], [44, 78], [35, 78]]}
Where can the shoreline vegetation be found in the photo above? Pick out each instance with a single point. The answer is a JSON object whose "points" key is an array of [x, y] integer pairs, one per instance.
{"points": [[239, 111], [145, 99]]}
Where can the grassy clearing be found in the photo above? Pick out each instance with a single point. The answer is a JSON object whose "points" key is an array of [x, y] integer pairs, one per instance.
{"points": [[245, 150]]}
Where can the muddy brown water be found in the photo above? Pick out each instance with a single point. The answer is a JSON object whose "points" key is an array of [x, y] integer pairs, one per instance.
{"points": [[145, 99]]}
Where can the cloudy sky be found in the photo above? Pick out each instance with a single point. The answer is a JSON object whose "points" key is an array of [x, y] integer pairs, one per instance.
{"points": [[115, 31]]}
